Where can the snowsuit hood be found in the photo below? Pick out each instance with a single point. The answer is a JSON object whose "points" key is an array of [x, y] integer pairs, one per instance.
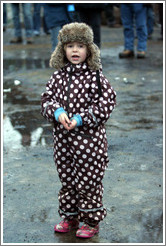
{"points": [[75, 32]]}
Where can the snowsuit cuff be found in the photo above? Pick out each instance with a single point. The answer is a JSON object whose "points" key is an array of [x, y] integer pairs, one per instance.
{"points": [[58, 112], [78, 118]]}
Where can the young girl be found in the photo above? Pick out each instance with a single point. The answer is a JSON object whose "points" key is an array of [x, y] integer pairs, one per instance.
{"points": [[79, 105]]}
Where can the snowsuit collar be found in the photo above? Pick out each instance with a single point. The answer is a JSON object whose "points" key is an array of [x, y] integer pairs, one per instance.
{"points": [[76, 68]]}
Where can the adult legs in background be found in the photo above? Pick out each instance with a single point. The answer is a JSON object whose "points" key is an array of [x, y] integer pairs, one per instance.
{"points": [[28, 19], [141, 26], [127, 17], [160, 6], [4, 17], [130, 13], [93, 19], [54, 36], [16, 20], [26, 7], [36, 19], [109, 11]]}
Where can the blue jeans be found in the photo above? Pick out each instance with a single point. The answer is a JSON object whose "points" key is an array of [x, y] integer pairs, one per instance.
{"points": [[134, 14], [27, 19], [54, 36], [36, 17]]}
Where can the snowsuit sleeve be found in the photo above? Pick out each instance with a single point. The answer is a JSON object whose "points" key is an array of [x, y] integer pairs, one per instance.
{"points": [[48, 101], [100, 108]]}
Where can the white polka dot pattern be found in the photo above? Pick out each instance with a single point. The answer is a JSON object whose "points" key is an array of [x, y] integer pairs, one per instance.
{"points": [[81, 154]]}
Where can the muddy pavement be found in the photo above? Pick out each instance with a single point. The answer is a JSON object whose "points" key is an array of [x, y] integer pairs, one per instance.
{"points": [[134, 179]]}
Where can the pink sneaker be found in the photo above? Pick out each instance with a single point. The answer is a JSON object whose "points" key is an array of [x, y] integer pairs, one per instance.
{"points": [[87, 231], [66, 225]]}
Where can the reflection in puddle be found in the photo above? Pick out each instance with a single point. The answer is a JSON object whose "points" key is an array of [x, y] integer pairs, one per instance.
{"points": [[35, 137], [15, 64], [20, 131], [12, 138], [25, 127]]}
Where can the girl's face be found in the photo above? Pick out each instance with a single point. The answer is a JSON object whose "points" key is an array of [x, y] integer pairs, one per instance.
{"points": [[76, 52]]}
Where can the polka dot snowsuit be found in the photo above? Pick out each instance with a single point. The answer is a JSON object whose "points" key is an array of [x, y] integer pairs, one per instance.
{"points": [[80, 154]]}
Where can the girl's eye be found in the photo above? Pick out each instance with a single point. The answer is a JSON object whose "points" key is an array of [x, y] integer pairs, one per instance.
{"points": [[69, 45]]}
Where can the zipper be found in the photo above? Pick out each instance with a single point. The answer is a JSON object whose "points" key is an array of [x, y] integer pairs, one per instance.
{"points": [[67, 108], [68, 92]]}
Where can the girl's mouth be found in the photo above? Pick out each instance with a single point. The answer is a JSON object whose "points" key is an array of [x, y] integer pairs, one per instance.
{"points": [[74, 57]]}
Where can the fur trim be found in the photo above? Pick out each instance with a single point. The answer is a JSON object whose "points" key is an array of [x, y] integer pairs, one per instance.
{"points": [[75, 32]]}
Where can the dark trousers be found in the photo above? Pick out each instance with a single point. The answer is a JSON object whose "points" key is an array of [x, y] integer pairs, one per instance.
{"points": [[161, 16], [92, 17]]}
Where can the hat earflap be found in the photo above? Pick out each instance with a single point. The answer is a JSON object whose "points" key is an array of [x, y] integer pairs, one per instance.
{"points": [[58, 58], [93, 59]]}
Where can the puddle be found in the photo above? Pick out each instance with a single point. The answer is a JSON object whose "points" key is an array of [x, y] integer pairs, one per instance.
{"points": [[14, 95], [23, 123], [26, 129], [10, 65]]}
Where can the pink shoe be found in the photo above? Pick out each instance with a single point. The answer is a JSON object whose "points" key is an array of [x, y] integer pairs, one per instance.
{"points": [[66, 225], [87, 231]]}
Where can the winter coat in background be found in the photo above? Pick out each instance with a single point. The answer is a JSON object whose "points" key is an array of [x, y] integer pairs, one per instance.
{"points": [[56, 14]]}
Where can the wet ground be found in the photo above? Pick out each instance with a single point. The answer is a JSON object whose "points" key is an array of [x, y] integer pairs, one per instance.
{"points": [[134, 179]]}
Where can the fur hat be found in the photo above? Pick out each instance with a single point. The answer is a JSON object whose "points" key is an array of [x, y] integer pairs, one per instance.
{"points": [[75, 32]]}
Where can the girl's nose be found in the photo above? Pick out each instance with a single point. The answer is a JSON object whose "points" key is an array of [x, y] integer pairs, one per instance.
{"points": [[74, 48]]}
